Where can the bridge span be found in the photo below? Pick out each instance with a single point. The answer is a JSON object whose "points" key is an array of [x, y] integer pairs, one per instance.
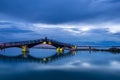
{"points": [[26, 45]]}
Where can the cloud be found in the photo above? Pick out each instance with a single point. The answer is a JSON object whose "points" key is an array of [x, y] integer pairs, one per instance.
{"points": [[112, 1], [60, 19], [62, 11], [68, 32]]}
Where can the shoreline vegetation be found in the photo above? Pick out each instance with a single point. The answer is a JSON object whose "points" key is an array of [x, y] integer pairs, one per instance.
{"points": [[112, 49]]}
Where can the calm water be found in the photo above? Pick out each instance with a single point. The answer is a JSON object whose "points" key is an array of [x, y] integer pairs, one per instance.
{"points": [[48, 65]]}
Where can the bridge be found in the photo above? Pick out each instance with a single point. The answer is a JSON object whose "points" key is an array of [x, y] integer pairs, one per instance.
{"points": [[26, 45]]}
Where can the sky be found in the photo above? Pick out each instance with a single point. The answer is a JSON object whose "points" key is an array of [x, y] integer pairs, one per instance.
{"points": [[74, 21]]}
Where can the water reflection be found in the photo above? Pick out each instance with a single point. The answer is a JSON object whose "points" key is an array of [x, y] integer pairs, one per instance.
{"points": [[27, 57], [81, 65]]}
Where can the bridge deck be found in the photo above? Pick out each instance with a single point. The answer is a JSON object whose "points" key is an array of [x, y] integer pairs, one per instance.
{"points": [[31, 43]]}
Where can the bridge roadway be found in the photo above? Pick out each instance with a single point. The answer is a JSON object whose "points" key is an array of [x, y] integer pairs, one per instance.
{"points": [[29, 58]]}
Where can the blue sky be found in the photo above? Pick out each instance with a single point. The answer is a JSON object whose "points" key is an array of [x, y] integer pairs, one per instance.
{"points": [[73, 21]]}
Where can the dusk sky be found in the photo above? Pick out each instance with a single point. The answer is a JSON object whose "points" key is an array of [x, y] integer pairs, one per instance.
{"points": [[65, 20]]}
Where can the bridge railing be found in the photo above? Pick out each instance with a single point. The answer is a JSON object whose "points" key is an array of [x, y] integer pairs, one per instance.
{"points": [[20, 43]]}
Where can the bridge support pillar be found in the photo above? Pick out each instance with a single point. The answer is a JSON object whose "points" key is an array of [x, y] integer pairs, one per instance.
{"points": [[25, 49], [60, 50]]}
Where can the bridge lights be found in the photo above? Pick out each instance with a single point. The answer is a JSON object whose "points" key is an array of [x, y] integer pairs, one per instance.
{"points": [[44, 42], [49, 43], [57, 49], [44, 59], [25, 49], [60, 50]]}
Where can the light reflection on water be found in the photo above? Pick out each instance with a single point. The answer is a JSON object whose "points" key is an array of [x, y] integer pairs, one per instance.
{"points": [[40, 63]]}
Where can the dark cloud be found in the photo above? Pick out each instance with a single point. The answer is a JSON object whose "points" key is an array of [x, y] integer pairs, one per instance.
{"points": [[12, 30], [61, 11], [99, 31], [117, 34], [5, 23], [10, 27], [112, 1]]}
